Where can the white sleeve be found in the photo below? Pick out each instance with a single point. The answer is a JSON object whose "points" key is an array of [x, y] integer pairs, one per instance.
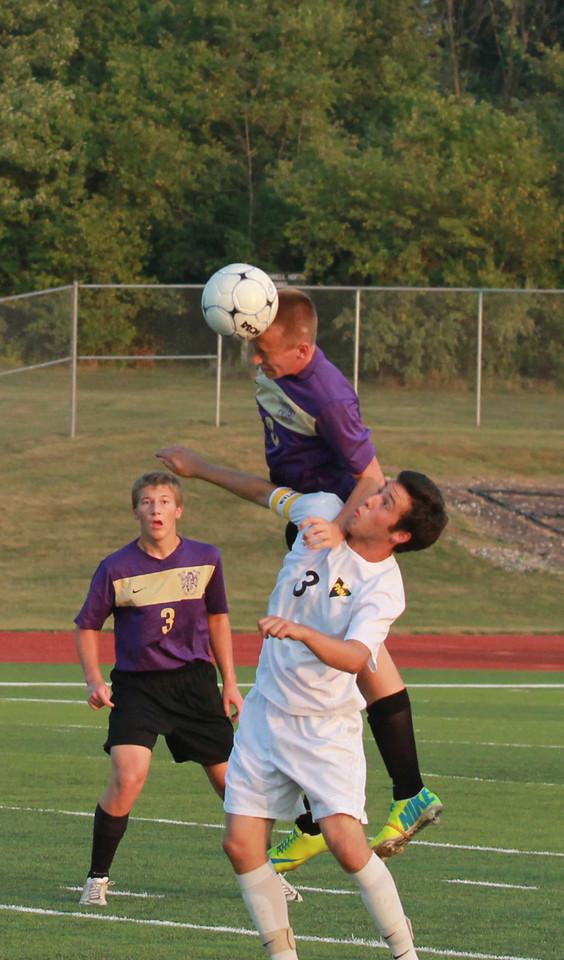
{"points": [[297, 506], [373, 617]]}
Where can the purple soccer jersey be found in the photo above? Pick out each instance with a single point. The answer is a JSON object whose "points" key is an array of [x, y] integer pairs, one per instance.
{"points": [[314, 435], [160, 607]]}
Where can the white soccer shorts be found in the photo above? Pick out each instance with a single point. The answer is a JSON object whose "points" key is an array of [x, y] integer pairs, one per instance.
{"points": [[278, 756]]}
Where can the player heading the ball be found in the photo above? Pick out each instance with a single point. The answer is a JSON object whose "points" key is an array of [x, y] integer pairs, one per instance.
{"points": [[239, 301]]}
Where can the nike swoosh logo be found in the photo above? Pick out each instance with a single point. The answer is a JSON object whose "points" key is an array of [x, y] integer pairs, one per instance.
{"points": [[138, 590]]}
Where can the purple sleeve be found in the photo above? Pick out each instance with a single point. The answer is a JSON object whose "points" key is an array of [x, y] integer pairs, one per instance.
{"points": [[342, 429], [99, 603], [216, 597]]}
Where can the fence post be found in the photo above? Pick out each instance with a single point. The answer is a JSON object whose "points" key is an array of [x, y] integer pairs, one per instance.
{"points": [[479, 358], [73, 359], [356, 338]]}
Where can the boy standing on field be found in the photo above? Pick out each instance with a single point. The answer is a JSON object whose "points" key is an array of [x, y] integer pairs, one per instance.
{"points": [[167, 597]]}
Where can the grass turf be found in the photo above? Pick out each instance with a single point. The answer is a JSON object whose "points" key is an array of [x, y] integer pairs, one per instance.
{"points": [[486, 883], [69, 499]]}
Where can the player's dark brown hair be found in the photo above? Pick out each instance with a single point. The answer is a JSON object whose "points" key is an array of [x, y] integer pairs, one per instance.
{"points": [[296, 316], [156, 479], [426, 519]]}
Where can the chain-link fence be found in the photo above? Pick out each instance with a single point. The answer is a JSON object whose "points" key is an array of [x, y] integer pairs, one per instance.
{"points": [[460, 343]]}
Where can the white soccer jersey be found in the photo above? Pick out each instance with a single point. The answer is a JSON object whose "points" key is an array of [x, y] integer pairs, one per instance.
{"points": [[334, 591]]}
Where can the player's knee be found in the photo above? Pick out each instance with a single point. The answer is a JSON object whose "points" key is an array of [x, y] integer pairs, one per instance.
{"points": [[236, 850], [128, 782], [231, 848]]}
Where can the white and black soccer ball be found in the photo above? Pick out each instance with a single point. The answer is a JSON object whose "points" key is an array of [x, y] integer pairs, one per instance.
{"points": [[239, 301]]}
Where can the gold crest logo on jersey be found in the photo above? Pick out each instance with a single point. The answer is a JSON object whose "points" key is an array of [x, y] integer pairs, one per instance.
{"points": [[340, 589], [189, 581]]}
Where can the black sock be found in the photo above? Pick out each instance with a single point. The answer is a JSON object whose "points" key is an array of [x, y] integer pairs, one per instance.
{"points": [[392, 727], [306, 823], [108, 832]]}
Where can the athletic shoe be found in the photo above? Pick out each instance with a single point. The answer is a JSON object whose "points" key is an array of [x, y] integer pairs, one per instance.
{"points": [[290, 892], [94, 893], [295, 849], [405, 819]]}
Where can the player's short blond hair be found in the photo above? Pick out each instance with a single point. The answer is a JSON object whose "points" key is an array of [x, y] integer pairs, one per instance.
{"points": [[156, 479], [296, 316]]}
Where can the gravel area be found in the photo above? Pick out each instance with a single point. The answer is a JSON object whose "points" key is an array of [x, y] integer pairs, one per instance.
{"points": [[519, 528]]}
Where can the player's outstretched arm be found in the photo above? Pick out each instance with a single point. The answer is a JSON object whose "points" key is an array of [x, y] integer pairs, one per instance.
{"points": [[187, 463], [87, 647]]}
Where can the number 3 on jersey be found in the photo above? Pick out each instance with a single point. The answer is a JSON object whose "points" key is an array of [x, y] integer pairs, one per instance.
{"points": [[167, 614], [269, 427]]}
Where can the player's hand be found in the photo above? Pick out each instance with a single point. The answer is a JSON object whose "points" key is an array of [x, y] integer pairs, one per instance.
{"points": [[281, 628], [181, 460], [99, 695], [232, 701], [320, 534]]}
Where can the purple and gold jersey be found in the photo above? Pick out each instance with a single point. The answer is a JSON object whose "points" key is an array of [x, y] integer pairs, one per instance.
{"points": [[313, 432], [160, 607]]}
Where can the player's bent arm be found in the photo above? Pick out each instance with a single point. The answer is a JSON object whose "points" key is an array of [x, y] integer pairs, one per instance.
{"points": [[372, 471], [187, 463], [321, 534], [350, 656], [87, 642], [368, 482], [222, 648]]}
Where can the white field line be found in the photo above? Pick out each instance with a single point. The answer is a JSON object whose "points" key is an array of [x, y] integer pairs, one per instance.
{"points": [[221, 826], [242, 931], [125, 893], [491, 743], [95, 728], [412, 686], [521, 783], [332, 890], [356, 893], [483, 849], [453, 743], [56, 726], [19, 683], [487, 883], [486, 686], [39, 700]]}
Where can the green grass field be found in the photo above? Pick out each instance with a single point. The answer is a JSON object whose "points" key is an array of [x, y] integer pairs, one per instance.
{"points": [[486, 884], [69, 499]]}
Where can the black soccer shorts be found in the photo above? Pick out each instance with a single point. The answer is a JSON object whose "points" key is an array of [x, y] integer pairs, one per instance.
{"points": [[184, 705]]}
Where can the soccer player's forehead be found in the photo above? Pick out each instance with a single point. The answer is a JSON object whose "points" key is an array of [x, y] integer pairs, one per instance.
{"points": [[397, 495], [162, 491]]}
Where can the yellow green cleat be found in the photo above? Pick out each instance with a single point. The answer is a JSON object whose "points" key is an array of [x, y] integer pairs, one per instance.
{"points": [[296, 849], [405, 819]]}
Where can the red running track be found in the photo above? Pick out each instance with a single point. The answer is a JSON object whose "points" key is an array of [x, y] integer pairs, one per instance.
{"points": [[437, 651]]}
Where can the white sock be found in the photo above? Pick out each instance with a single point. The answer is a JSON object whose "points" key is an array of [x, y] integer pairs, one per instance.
{"points": [[381, 899], [266, 903]]}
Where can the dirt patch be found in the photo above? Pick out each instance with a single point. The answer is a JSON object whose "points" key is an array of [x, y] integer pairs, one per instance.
{"points": [[516, 528]]}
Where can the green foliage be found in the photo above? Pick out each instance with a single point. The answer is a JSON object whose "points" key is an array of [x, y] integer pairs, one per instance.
{"points": [[384, 141], [410, 337]]}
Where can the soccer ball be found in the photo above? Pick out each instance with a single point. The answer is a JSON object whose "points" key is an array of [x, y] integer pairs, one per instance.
{"points": [[239, 301]]}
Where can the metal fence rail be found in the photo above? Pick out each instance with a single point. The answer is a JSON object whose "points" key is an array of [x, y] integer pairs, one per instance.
{"points": [[60, 320]]}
